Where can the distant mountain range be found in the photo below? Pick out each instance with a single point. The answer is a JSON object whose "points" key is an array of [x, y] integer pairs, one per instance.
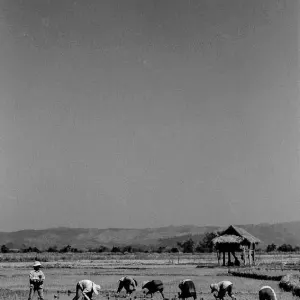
{"points": [[279, 234]]}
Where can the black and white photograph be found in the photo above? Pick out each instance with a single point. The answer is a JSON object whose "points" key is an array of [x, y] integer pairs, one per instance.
{"points": [[149, 150]]}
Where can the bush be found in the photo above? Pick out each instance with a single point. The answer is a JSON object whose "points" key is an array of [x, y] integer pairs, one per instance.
{"points": [[31, 249], [290, 282], [115, 249], [174, 250], [187, 246], [271, 248], [4, 249], [256, 274], [52, 249], [66, 249], [206, 245], [285, 248]]}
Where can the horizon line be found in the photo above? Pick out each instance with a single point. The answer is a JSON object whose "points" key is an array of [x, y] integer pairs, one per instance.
{"points": [[149, 228]]}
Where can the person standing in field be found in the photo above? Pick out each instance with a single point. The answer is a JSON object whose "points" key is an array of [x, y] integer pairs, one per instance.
{"points": [[220, 289], [267, 293], [187, 288], [153, 286], [128, 283], [36, 281], [85, 289]]}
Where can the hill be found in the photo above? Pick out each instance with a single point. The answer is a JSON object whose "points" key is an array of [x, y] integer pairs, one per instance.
{"points": [[280, 233]]}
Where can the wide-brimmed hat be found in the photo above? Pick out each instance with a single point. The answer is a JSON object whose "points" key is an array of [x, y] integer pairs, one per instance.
{"points": [[96, 288], [144, 283], [37, 264], [213, 287]]}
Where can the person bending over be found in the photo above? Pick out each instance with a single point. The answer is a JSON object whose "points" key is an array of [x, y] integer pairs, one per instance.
{"points": [[222, 288], [153, 286], [187, 288], [128, 283], [85, 289], [267, 293]]}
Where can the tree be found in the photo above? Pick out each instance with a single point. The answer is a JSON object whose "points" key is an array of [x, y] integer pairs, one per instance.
{"points": [[199, 248], [206, 244], [52, 249], [35, 249], [66, 249], [139, 249], [31, 249], [174, 250], [160, 249], [285, 248], [115, 249], [187, 246], [4, 249], [127, 249], [102, 249], [27, 250], [207, 240], [270, 248]]}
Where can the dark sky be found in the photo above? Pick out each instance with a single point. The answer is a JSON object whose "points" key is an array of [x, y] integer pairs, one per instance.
{"points": [[146, 113]]}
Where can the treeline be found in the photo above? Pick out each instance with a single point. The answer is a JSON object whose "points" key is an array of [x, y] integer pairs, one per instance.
{"points": [[282, 248], [187, 246]]}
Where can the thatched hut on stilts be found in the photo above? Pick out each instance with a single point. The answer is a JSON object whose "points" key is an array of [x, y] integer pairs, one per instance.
{"points": [[235, 239]]}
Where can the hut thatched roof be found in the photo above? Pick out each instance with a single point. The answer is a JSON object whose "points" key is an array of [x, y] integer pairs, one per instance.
{"points": [[235, 235], [246, 235], [227, 239]]}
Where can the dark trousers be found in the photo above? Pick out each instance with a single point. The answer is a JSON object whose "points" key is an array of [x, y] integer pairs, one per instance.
{"points": [[223, 292], [39, 291], [153, 291]]}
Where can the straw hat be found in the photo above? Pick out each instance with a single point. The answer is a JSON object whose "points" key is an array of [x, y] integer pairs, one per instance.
{"points": [[37, 264], [144, 283], [96, 288], [214, 287]]}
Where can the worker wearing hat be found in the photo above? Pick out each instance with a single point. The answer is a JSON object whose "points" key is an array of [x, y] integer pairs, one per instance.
{"points": [[221, 289], [267, 293], [85, 289], [128, 283], [187, 288], [153, 286], [36, 281]]}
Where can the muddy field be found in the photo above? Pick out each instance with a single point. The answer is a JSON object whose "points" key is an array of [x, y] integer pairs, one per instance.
{"points": [[14, 280]]}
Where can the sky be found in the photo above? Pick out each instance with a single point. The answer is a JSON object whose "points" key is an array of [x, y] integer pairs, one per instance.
{"points": [[148, 113]]}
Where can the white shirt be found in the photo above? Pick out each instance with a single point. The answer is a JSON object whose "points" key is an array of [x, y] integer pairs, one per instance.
{"points": [[86, 285], [224, 284], [183, 281]]}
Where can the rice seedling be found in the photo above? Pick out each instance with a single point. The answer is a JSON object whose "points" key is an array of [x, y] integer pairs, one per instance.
{"points": [[62, 276]]}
